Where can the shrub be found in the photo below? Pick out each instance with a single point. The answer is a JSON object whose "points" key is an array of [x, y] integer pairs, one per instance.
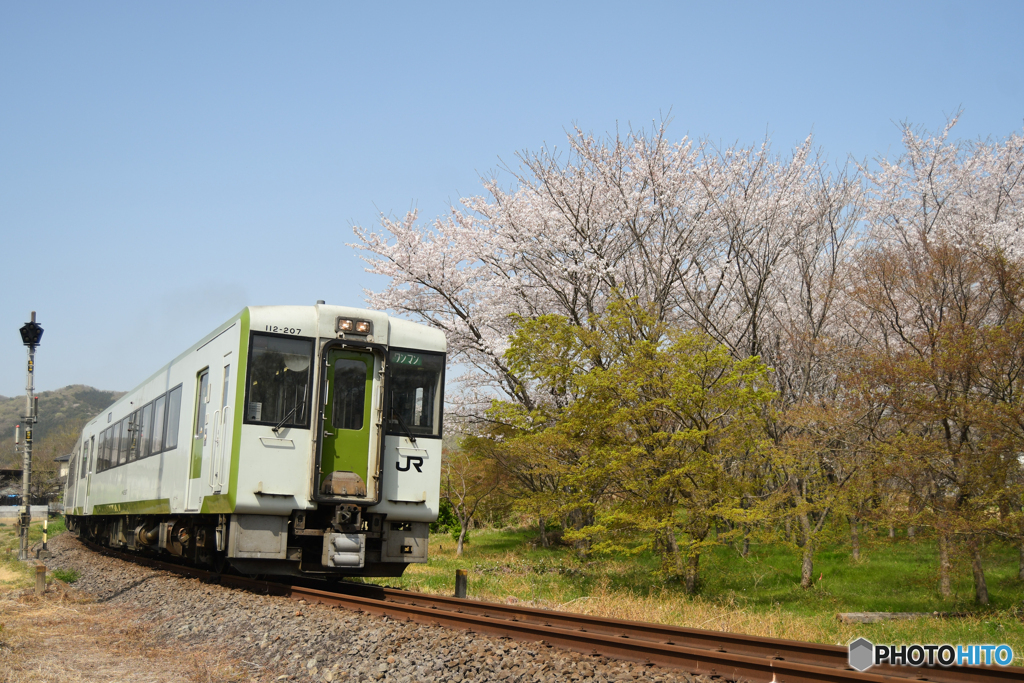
{"points": [[66, 575]]}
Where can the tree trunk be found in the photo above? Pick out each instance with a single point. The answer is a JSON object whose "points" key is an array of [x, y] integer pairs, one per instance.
{"points": [[854, 539], [463, 528], [746, 549], [1020, 563], [692, 573], [944, 588], [805, 541], [914, 506], [807, 570], [543, 532], [892, 531], [672, 546], [980, 587]]}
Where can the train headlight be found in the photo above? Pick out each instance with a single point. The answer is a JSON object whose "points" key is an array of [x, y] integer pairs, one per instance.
{"points": [[355, 326]]}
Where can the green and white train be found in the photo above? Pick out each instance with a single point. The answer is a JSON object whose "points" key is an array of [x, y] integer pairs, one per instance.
{"points": [[302, 440]]}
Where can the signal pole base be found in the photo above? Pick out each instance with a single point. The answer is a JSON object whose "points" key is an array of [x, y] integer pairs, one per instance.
{"points": [[23, 551]]}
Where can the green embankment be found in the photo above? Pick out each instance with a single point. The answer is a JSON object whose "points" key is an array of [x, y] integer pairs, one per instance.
{"points": [[758, 594]]}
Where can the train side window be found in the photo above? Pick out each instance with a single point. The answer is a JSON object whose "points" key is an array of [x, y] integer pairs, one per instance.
{"points": [[131, 438], [173, 417], [101, 448], [224, 393], [112, 442], [145, 429], [111, 450], [92, 454], [127, 433], [133, 428], [202, 398], [85, 459], [157, 441], [104, 450], [115, 444]]}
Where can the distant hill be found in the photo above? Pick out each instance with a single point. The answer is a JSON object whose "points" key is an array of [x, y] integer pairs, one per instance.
{"points": [[61, 411]]}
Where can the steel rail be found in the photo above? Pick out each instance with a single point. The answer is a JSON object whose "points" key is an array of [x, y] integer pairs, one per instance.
{"points": [[734, 643], [728, 655]]}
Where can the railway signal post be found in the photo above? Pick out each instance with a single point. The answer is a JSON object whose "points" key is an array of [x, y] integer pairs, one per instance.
{"points": [[31, 333]]}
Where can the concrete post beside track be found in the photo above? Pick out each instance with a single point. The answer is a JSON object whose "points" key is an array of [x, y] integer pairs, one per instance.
{"points": [[461, 577], [40, 579]]}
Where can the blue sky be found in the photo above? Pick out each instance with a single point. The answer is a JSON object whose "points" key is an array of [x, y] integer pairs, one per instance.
{"points": [[164, 164]]}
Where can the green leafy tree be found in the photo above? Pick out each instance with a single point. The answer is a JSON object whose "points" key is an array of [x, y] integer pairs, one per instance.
{"points": [[468, 479], [658, 428], [446, 521], [819, 465]]}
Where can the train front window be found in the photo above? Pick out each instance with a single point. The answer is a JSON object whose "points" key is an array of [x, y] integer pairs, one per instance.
{"points": [[279, 381], [414, 402]]}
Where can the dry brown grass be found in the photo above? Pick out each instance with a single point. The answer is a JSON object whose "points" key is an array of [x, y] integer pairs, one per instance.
{"points": [[65, 637], [720, 615], [509, 578], [8, 576]]}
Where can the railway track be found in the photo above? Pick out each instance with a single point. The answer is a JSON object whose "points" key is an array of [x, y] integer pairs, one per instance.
{"points": [[731, 656]]}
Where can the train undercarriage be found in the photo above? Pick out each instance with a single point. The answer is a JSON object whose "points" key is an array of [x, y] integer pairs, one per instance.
{"points": [[333, 542]]}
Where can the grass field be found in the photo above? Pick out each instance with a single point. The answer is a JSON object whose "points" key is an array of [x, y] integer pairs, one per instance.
{"points": [[15, 574], [759, 594]]}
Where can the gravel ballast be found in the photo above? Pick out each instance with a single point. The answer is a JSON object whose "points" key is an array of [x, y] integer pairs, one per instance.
{"points": [[312, 642]]}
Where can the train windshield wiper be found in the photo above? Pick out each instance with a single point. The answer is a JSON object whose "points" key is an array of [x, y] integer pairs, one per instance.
{"points": [[408, 432], [289, 414]]}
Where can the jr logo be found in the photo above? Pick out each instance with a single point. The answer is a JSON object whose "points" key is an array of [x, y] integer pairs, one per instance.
{"points": [[413, 460]]}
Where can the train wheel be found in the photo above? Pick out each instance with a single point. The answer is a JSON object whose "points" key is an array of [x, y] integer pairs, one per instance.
{"points": [[219, 563]]}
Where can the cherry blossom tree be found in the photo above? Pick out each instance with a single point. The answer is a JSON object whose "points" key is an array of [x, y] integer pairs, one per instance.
{"points": [[818, 271], [739, 243], [937, 290]]}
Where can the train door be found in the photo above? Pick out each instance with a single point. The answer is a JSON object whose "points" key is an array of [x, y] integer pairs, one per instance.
{"points": [[201, 443], [82, 471], [90, 467], [221, 436], [347, 422], [71, 492]]}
